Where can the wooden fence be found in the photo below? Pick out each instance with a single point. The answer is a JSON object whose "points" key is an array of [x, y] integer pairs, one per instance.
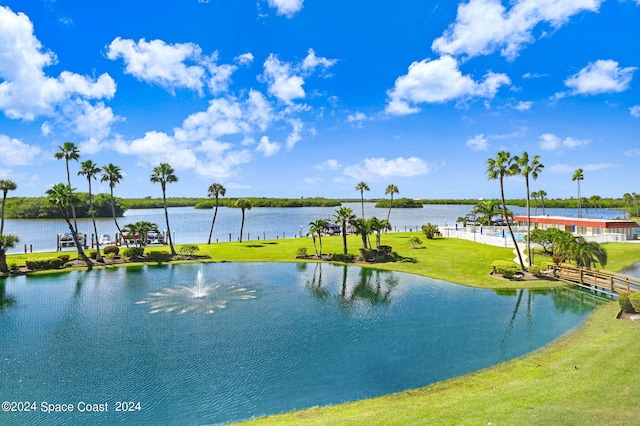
{"points": [[610, 283]]}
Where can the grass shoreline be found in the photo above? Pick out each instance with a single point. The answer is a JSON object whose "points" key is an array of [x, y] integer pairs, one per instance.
{"points": [[588, 377]]}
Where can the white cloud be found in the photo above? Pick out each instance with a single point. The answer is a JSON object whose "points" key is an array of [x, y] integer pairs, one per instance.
{"points": [[551, 142], [287, 8], [14, 152], [635, 110], [224, 166], [478, 143], [523, 106], [358, 116], [285, 80], [438, 81], [244, 59], [632, 152], [294, 137], [376, 169], [330, 164], [602, 76], [26, 91], [267, 148], [567, 168], [158, 147], [485, 26]]}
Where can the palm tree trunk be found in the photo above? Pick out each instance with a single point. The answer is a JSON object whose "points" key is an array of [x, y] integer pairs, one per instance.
{"points": [[81, 254], [242, 227], [73, 208], [390, 204], [4, 201], [166, 217], [344, 238], [3, 262], [526, 178], [513, 237], [95, 229], [113, 211], [215, 213]]}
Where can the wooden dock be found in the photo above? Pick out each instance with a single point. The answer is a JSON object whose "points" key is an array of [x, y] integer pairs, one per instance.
{"points": [[597, 280]]}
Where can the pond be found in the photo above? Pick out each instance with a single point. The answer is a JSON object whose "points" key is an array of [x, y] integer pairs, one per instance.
{"points": [[261, 338]]}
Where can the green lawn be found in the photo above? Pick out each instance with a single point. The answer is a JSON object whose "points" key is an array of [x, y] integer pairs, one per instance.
{"points": [[587, 378]]}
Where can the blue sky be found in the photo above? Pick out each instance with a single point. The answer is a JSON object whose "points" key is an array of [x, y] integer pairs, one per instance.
{"points": [[291, 98]]}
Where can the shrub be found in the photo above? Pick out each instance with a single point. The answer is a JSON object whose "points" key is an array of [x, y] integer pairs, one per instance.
{"points": [[13, 265], [189, 249], [46, 263], [415, 242], [302, 252], [536, 270], [625, 303], [133, 252], [340, 257], [430, 230], [91, 254], [64, 258], [634, 299], [111, 249], [110, 256], [505, 268], [158, 256]]}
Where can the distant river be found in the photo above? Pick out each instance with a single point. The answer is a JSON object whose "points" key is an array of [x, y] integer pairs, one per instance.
{"points": [[191, 225]]}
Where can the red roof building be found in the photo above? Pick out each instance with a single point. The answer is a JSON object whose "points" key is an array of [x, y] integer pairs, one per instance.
{"points": [[581, 226]]}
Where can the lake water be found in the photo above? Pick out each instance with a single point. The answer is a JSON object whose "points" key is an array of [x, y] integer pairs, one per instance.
{"points": [[267, 338], [191, 225]]}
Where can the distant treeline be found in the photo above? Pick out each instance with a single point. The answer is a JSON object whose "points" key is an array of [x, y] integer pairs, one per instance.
{"points": [[39, 207]]}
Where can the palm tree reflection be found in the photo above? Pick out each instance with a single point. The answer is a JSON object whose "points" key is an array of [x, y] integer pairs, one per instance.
{"points": [[5, 300]]}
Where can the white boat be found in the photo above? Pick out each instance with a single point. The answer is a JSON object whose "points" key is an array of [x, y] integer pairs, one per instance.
{"points": [[155, 238], [105, 239], [66, 239]]}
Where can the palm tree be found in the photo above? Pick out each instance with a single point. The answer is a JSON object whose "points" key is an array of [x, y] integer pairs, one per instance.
{"points": [[542, 194], [594, 200], [6, 242], [69, 151], [578, 175], [489, 209], [497, 168], [112, 174], [344, 215], [6, 185], [317, 227], [215, 190], [90, 170], [535, 196], [391, 189], [164, 174], [635, 199], [62, 196], [362, 187], [141, 228], [585, 203], [588, 253], [528, 167], [378, 225], [361, 227], [243, 204]]}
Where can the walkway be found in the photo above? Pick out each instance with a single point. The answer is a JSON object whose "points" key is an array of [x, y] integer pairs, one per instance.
{"points": [[606, 282]]}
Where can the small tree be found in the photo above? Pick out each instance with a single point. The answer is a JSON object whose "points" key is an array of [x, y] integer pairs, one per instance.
{"points": [[316, 228], [430, 230], [415, 242]]}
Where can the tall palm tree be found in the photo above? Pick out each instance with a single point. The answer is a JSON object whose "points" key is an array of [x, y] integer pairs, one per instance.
{"points": [[578, 175], [62, 196], [628, 199], [69, 151], [112, 174], [391, 189], [378, 225], [243, 204], [317, 227], [528, 168], [497, 168], [215, 190], [164, 174], [90, 170], [542, 194], [6, 185], [635, 199], [362, 187], [535, 196], [594, 200], [361, 227], [344, 215]]}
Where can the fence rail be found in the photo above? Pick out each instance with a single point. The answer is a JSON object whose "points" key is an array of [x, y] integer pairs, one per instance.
{"points": [[601, 281]]}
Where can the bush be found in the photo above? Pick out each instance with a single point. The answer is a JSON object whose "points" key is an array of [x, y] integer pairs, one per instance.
{"points": [[189, 249], [111, 249], [110, 256], [158, 256], [64, 258], [47, 263], [430, 230], [505, 268], [302, 252], [625, 303], [91, 254], [339, 257], [415, 242], [634, 299], [536, 270], [133, 252]]}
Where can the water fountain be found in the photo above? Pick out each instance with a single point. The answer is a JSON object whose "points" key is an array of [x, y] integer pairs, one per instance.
{"points": [[202, 297]]}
